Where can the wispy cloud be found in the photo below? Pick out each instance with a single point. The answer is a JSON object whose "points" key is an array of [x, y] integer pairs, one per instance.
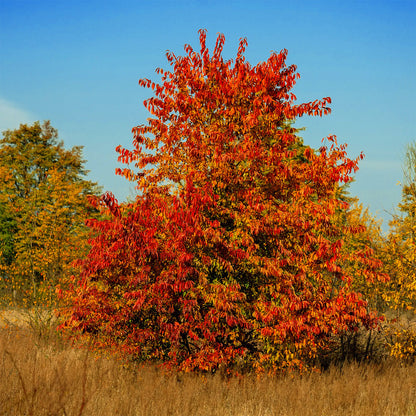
{"points": [[11, 116]]}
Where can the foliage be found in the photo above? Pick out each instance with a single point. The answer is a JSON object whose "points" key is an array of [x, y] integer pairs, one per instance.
{"points": [[400, 248], [232, 255], [43, 206], [363, 234], [403, 345], [7, 232]]}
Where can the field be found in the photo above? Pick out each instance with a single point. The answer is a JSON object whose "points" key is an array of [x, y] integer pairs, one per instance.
{"points": [[40, 375]]}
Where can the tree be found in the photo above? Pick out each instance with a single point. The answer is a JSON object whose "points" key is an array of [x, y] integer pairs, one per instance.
{"points": [[362, 233], [43, 206], [7, 232], [231, 255], [400, 249]]}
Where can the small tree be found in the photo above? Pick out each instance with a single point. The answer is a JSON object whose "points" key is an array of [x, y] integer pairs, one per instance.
{"points": [[400, 249], [43, 205], [363, 234], [231, 255]]}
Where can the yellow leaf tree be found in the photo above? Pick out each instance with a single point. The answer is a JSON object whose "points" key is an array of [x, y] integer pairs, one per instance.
{"points": [[43, 207], [363, 234], [400, 253]]}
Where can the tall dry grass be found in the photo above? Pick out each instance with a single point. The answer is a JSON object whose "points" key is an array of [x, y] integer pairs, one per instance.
{"points": [[40, 375]]}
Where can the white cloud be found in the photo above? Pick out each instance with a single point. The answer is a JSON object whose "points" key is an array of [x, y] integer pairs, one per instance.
{"points": [[11, 116]]}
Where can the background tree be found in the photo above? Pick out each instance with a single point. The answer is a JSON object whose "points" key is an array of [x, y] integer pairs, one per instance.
{"points": [[363, 233], [231, 254], [400, 249], [43, 207], [7, 234]]}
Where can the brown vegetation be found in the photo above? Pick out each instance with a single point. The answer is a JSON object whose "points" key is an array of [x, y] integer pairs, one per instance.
{"points": [[43, 376]]}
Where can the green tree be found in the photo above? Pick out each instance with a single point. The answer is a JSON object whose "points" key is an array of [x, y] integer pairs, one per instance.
{"points": [[43, 207], [7, 232]]}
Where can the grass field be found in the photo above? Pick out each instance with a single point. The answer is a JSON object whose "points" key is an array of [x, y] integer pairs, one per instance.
{"points": [[40, 375]]}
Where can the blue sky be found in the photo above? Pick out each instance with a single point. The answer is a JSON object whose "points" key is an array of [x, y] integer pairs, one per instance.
{"points": [[77, 63]]}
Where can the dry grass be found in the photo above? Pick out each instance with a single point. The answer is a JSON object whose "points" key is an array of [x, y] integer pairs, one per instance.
{"points": [[41, 377]]}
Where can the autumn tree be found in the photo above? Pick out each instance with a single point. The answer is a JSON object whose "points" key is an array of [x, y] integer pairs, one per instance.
{"points": [[43, 207], [362, 233], [400, 249], [231, 255], [7, 232]]}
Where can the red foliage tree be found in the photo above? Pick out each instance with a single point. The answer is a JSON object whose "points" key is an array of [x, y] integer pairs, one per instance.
{"points": [[230, 255]]}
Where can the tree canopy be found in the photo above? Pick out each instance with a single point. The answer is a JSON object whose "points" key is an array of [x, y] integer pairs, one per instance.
{"points": [[232, 254], [43, 207], [400, 253]]}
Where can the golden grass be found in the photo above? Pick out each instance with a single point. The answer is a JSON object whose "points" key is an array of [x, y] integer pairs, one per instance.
{"points": [[42, 376]]}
